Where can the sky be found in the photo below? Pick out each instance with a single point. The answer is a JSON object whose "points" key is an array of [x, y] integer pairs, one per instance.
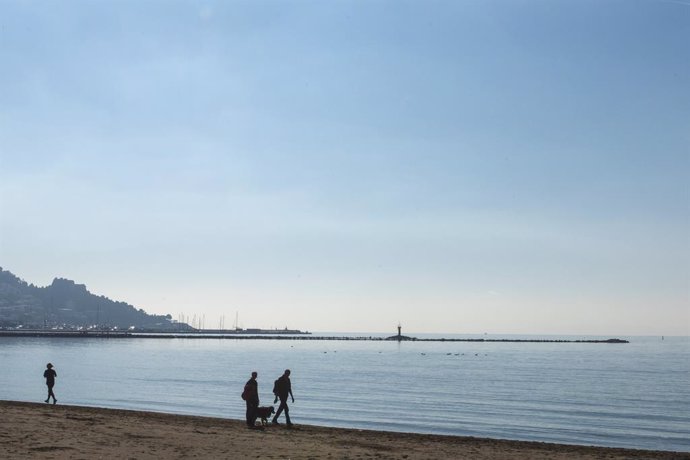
{"points": [[465, 166]]}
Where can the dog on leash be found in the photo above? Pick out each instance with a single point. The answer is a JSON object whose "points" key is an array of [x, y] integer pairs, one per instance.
{"points": [[264, 412]]}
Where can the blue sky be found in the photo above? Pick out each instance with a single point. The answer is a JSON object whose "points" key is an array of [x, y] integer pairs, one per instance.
{"points": [[456, 166]]}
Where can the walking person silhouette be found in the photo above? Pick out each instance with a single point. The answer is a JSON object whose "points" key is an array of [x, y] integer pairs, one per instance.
{"points": [[251, 397], [50, 375], [282, 388]]}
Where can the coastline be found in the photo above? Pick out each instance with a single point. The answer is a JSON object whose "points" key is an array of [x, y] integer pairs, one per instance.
{"points": [[35, 430]]}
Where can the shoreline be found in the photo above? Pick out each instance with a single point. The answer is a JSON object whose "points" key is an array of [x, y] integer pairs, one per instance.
{"points": [[36, 430]]}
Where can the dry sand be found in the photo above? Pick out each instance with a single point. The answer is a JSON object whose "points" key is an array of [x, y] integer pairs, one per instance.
{"points": [[29, 430]]}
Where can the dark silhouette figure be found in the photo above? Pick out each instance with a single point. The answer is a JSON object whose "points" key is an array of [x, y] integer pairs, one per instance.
{"points": [[50, 375], [282, 388], [251, 397]]}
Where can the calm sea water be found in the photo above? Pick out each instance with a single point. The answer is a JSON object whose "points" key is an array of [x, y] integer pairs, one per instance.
{"points": [[622, 395]]}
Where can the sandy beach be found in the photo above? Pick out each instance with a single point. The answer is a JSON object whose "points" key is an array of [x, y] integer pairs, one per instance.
{"points": [[31, 430]]}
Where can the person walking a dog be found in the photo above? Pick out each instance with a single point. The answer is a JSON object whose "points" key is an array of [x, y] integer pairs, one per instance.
{"points": [[282, 388], [251, 397], [50, 375]]}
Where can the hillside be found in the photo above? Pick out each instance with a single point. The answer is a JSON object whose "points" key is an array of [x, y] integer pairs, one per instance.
{"points": [[67, 305]]}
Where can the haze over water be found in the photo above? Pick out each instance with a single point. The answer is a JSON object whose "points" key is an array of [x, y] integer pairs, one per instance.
{"points": [[456, 165], [622, 395], [501, 166]]}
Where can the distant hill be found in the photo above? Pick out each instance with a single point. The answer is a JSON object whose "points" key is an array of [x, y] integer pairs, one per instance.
{"points": [[67, 305]]}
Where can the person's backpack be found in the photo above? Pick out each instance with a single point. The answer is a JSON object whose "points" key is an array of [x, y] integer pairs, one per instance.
{"points": [[245, 392], [276, 386]]}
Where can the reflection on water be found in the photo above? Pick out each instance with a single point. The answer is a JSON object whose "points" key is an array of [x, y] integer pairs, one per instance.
{"points": [[632, 395]]}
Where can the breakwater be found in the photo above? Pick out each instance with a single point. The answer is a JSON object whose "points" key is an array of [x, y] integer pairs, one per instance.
{"points": [[169, 335]]}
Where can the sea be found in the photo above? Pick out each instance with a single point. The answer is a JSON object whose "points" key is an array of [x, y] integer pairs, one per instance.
{"points": [[632, 395]]}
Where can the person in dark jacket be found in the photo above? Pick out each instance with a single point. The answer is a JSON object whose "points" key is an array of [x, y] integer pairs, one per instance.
{"points": [[251, 397], [50, 375], [283, 388]]}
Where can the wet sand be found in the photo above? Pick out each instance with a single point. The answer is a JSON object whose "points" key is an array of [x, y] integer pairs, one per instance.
{"points": [[30, 430]]}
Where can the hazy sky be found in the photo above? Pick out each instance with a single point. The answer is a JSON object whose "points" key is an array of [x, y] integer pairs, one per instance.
{"points": [[461, 166]]}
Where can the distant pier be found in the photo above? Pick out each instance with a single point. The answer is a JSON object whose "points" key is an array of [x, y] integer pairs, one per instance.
{"points": [[273, 336]]}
